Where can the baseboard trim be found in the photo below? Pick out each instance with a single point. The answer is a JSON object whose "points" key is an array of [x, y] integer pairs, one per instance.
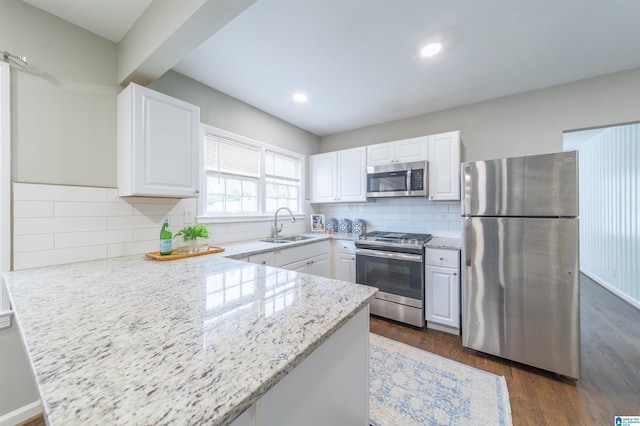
{"points": [[21, 414], [625, 297]]}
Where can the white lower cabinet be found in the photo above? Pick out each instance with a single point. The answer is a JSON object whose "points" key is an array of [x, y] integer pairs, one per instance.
{"points": [[308, 258], [329, 387], [344, 260], [442, 289], [267, 258]]}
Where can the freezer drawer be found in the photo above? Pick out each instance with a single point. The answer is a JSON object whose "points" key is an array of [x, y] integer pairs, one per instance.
{"points": [[520, 291]]}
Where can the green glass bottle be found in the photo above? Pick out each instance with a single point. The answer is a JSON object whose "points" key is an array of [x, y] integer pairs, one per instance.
{"points": [[165, 238]]}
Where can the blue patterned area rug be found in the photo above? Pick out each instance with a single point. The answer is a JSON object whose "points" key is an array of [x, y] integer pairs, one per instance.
{"points": [[409, 386]]}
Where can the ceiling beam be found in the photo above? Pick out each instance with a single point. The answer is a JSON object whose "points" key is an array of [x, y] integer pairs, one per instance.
{"points": [[167, 32]]}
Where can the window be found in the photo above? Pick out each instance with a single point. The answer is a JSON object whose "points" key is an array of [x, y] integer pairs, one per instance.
{"points": [[282, 177], [248, 178]]}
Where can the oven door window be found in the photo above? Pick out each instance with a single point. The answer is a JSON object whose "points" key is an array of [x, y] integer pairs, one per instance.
{"points": [[395, 276]]}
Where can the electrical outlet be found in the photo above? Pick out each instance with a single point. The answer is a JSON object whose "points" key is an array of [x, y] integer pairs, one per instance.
{"points": [[189, 216]]}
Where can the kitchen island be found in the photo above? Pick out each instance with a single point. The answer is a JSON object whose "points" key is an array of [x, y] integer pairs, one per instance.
{"points": [[202, 340]]}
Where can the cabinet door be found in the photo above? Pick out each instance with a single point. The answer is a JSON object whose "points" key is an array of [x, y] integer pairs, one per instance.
{"points": [[414, 149], [320, 266], [352, 175], [323, 173], [299, 266], [381, 154], [444, 166], [345, 267], [442, 296], [158, 144]]}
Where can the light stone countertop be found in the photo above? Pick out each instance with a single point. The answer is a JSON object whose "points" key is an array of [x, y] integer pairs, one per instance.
{"points": [[242, 249], [446, 243], [191, 341]]}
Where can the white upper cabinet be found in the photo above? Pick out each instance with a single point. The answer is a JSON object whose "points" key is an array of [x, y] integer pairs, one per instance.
{"points": [[444, 166], [402, 151], [158, 144], [339, 176]]}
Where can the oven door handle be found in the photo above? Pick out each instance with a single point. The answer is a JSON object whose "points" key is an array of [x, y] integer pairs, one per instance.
{"points": [[390, 255]]}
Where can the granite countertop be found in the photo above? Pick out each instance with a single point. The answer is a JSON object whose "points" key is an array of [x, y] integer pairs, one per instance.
{"points": [[242, 249], [192, 341], [446, 243]]}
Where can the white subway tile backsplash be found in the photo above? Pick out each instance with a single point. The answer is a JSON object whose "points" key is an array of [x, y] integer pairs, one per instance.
{"points": [[79, 209], [138, 247], [37, 242], [23, 191], [79, 224], [135, 222], [30, 226], [81, 239], [56, 224], [121, 235], [148, 234], [60, 224], [399, 214], [33, 209], [38, 259], [152, 209]]}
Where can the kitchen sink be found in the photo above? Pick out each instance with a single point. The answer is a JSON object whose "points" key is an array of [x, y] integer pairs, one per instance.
{"points": [[286, 239], [275, 240]]}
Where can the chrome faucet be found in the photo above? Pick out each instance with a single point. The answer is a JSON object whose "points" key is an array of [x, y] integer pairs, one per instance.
{"points": [[277, 230]]}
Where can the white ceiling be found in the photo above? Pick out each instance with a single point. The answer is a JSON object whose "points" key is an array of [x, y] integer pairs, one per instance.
{"points": [[357, 59]]}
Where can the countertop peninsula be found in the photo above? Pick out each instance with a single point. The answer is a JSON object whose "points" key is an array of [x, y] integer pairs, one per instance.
{"points": [[193, 341]]}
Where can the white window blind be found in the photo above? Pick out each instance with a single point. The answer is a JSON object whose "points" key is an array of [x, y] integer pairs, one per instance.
{"points": [[245, 177], [227, 156], [282, 177]]}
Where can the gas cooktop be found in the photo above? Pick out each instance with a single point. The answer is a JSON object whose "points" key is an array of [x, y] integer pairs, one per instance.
{"points": [[397, 237], [382, 239]]}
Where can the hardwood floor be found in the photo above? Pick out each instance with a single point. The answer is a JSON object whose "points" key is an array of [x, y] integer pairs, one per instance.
{"points": [[610, 383]]}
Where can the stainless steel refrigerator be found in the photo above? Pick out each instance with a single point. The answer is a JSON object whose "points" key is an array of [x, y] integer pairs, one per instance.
{"points": [[520, 294]]}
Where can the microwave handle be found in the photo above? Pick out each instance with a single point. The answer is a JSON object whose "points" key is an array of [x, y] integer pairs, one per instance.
{"points": [[409, 179]]}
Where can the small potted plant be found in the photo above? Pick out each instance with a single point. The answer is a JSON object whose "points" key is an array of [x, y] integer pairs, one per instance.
{"points": [[190, 235]]}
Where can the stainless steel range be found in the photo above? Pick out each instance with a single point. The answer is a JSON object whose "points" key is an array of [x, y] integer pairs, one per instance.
{"points": [[394, 263]]}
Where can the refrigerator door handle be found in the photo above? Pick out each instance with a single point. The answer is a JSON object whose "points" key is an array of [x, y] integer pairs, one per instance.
{"points": [[466, 188], [467, 241]]}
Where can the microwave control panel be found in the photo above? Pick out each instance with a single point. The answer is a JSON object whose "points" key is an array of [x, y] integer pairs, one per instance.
{"points": [[417, 180]]}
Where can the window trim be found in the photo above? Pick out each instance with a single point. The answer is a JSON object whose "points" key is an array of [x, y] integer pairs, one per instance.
{"points": [[203, 217]]}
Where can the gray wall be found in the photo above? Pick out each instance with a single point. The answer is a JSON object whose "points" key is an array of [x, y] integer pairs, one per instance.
{"points": [[523, 124], [222, 111], [63, 133]]}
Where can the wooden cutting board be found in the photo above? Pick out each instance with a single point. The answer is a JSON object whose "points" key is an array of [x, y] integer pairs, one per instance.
{"points": [[181, 255]]}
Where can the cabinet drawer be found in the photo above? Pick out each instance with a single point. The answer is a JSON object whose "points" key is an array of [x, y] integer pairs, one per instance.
{"points": [[443, 257], [344, 246], [267, 258], [301, 252]]}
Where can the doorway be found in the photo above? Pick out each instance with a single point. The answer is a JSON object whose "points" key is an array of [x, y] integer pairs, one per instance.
{"points": [[609, 188]]}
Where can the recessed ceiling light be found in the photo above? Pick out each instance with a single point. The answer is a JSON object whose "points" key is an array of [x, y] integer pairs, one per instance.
{"points": [[430, 50], [300, 97]]}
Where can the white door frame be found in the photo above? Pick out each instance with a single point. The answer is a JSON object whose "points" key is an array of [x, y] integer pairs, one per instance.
{"points": [[5, 188]]}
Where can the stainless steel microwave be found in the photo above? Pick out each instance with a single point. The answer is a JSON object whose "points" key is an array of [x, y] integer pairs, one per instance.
{"points": [[397, 180]]}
